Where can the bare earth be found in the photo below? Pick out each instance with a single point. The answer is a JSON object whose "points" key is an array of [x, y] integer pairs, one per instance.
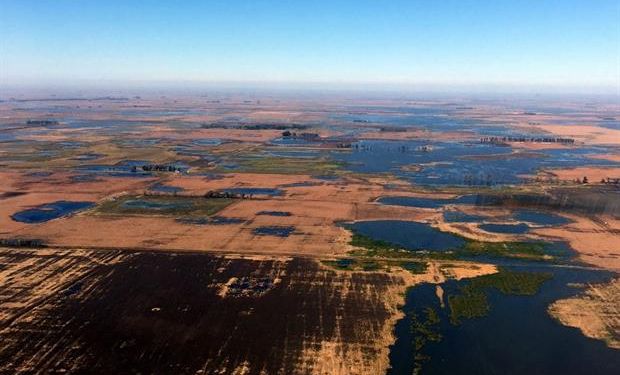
{"points": [[596, 312]]}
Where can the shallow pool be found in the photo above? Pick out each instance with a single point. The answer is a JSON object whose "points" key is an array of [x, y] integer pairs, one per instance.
{"points": [[50, 211]]}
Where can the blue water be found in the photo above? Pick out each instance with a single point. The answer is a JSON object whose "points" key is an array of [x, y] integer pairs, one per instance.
{"points": [[427, 202], [506, 228], [292, 141], [159, 187], [207, 141], [50, 211], [274, 213], [83, 178], [89, 156], [126, 168], [278, 231], [517, 336], [410, 235], [154, 205], [295, 154], [459, 163], [213, 220], [254, 191], [461, 217], [300, 184], [540, 218]]}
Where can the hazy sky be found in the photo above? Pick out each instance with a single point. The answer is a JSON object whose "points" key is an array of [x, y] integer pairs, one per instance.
{"points": [[537, 42]]}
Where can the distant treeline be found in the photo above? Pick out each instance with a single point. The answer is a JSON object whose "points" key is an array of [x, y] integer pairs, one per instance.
{"points": [[253, 126], [21, 242], [393, 129], [42, 122], [211, 194], [306, 136], [500, 140], [596, 200], [479, 180], [157, 168], [554, 180], [69, 99], [217, 194]]}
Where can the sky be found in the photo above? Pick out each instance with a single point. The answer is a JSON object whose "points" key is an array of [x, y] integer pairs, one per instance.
{"points": [[547, 43]]}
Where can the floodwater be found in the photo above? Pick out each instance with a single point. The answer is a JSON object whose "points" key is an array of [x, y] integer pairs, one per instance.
{"points": [[540, 218], [461, 217], [408, 234], [50, 211], [278, 231], [506, 228], [154, 205], [274, 213], [426, 202], [159, 187], [213, 220], [517, 336], [459, 163], [253, 191]]}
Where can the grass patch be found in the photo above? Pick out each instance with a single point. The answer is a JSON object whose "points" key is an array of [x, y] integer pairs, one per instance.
{"points": [[359, 240], [472, 301], [369, 247], [530, 250], [361, 264], [164, 206], [425, 329], [270, 164]]}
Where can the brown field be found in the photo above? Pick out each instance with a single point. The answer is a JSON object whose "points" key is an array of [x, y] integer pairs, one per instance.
{"points": [[594, 174], [106, 312], [594, 312], [596, 241]]}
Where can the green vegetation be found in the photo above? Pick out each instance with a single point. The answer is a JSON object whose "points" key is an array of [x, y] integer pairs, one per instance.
{"points": [[361, 264], [472, 301], [425, 329], [272, 164], [359, 240], [531, 250], [528, 250], [369, 247], [414, 267], [163, 206]]}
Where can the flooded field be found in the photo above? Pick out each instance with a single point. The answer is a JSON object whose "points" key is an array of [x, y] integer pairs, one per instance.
{"points": [[512, 333], [225, 234], [49, 211], [411, 235]]}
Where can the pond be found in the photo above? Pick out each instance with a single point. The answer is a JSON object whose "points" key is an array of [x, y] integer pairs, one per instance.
{"points": [[427, 202], [50, 211], [461, 217], [253, 191], [155, 205], [408, 234], [278, 231], [213, 220], [159, 187], [274, 213], [506, 228], [540, 217]]}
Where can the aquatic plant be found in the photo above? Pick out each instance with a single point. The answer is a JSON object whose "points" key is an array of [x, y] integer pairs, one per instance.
{"points": [[472, 301], [425, 329]]}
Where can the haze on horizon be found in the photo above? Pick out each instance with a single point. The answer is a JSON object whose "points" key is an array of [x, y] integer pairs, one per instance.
{"points": [[556, 45]]}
